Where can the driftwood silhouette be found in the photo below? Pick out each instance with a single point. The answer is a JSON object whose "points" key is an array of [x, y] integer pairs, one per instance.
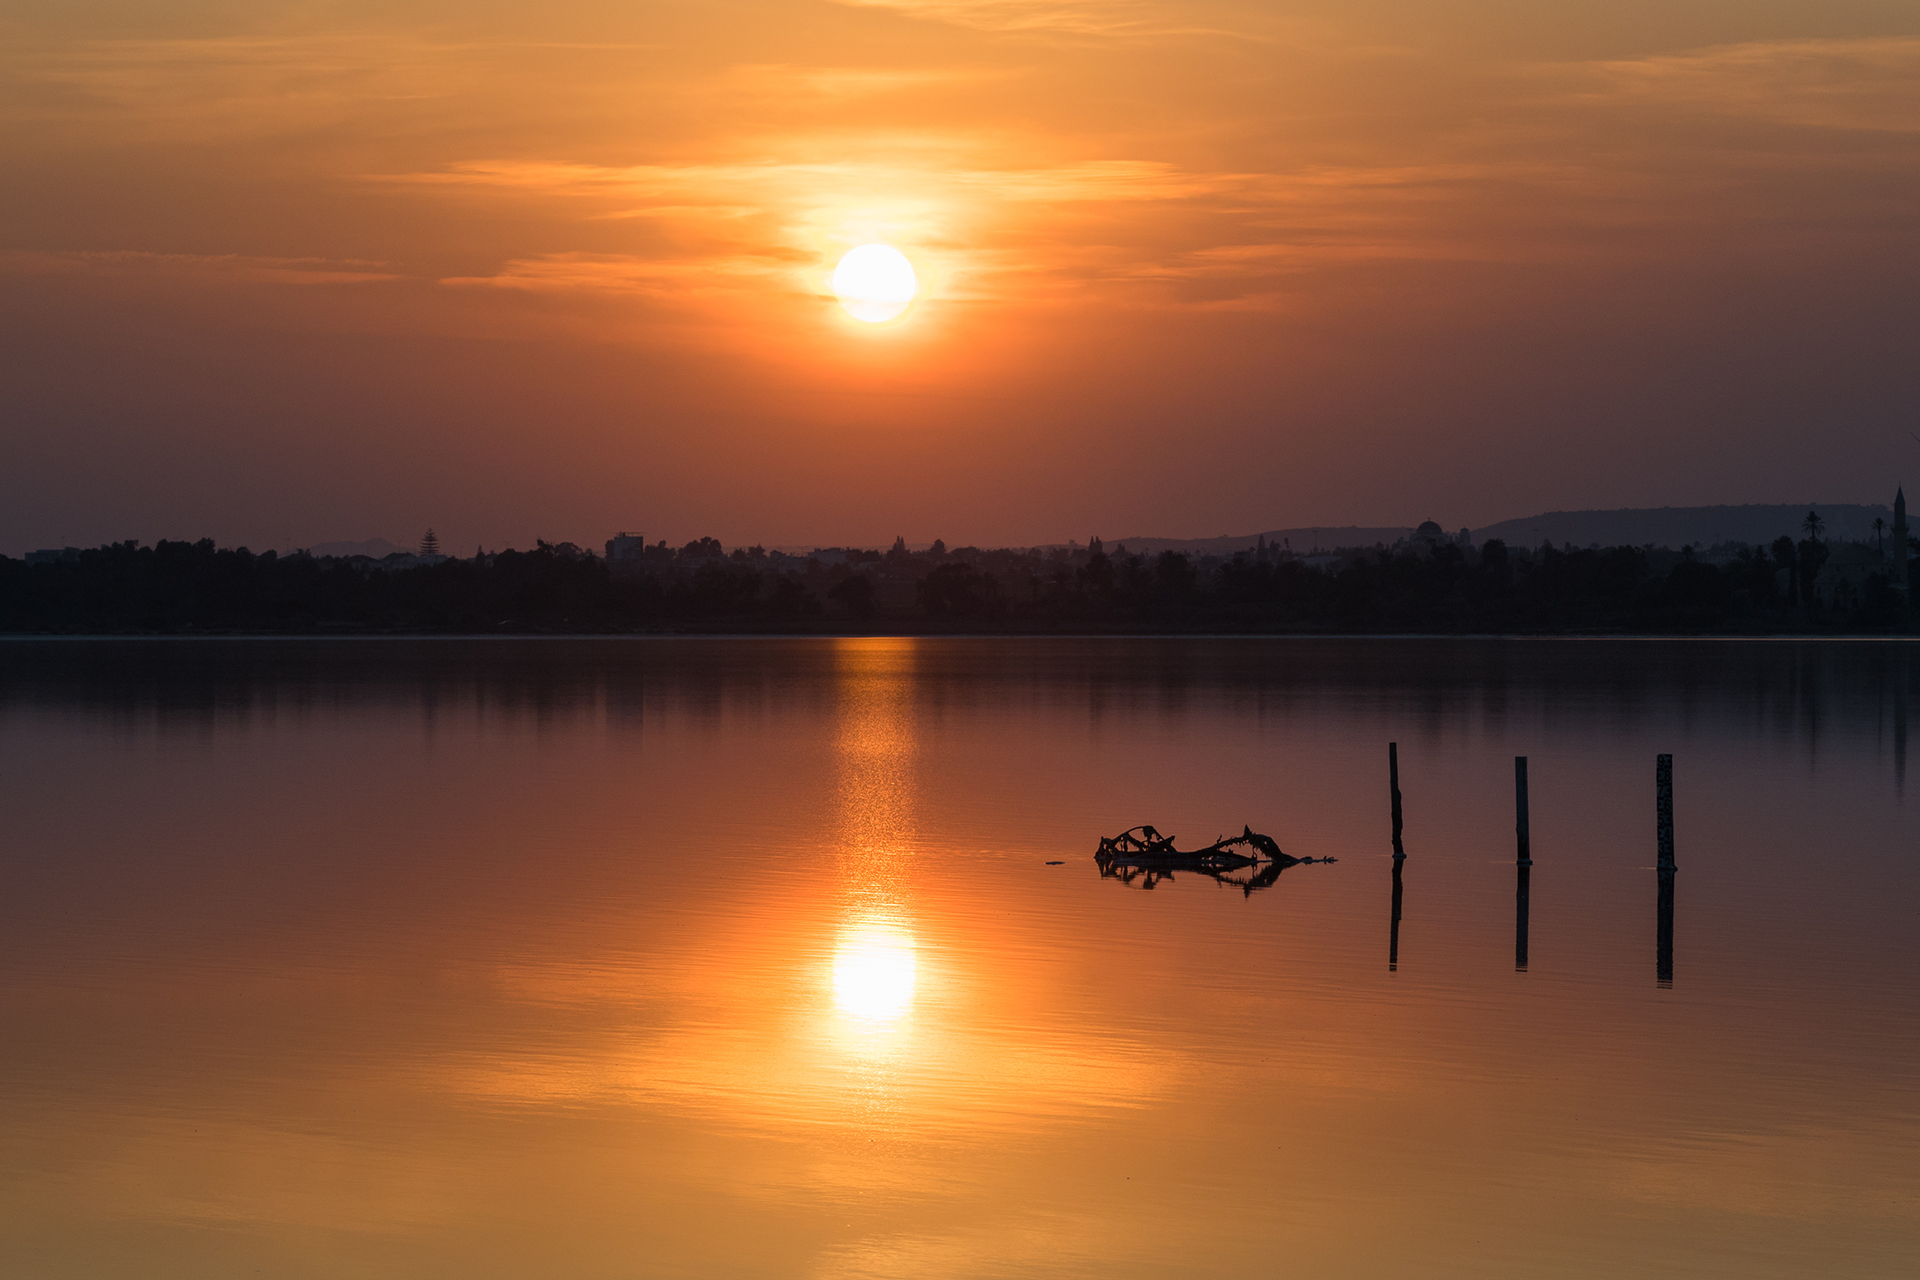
{"points": [[1142, 854]]}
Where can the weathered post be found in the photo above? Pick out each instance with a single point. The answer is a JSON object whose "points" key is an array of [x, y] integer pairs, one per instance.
{"points": [[1663, 806], [1393, 786], [1525, 857]]}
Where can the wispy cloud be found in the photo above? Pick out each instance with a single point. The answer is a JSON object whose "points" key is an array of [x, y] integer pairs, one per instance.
{"points": [[233, 267], [237, 85], [1119, 228], [1086, 17], [630, 274], [1088, 180], [1868, 85], [1537, 177]]}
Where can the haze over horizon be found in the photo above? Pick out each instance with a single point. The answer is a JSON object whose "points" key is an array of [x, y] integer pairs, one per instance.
{"points": [[282, 274]]}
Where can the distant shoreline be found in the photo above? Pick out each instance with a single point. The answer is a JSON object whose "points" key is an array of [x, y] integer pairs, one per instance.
{"points": [[625, 636]]}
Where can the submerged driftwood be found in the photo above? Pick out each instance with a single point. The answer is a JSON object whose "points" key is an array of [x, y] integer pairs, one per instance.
{"points": [[1143, 854]]}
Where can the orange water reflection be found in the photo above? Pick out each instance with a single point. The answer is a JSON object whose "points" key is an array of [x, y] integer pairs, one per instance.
{"points": [[746, 960], [874, 759]]}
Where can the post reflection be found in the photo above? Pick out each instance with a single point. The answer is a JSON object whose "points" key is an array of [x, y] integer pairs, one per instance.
{"points": [[1522, 905], [1663, 825], [1399, 855], [1663, 931]]}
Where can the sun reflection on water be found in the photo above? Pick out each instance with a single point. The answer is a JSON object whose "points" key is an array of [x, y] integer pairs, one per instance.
{"points": [[874, 965], [873, 973]]}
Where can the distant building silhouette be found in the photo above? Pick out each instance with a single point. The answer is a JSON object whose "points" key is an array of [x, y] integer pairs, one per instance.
{"points": [[626, 554], [1846, 573], [1430, 537], [1900, 548]]}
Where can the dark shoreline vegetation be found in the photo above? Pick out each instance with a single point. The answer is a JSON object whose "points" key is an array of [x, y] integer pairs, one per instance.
{"points": [[1417, 587]]}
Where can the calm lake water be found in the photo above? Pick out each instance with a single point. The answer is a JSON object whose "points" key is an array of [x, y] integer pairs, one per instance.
{"points": [[744, 958]]}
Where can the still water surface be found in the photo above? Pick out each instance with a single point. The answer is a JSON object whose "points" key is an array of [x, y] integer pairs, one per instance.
{"points": [[744, 958]]}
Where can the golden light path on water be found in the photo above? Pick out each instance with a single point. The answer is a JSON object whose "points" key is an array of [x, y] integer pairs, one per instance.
{"points": [[875, 963]]}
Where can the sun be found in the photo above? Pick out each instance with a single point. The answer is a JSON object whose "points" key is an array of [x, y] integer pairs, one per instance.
{"points": [[875, 283]]}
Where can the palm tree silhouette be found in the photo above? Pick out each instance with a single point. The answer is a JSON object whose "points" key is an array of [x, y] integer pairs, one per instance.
{"points": [[1878, 526], [1813, 524]]}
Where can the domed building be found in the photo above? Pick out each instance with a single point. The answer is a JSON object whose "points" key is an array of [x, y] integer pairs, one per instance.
{"points": [[1430, 537]]}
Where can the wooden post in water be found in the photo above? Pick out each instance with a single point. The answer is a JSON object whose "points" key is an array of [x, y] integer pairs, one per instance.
{"points": [[1525, 857], [1393, 785], [1663, 806]]}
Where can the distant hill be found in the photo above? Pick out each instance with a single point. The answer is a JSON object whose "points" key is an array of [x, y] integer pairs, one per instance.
{"points": [[1304, 541], [1682, 526], [1674, 527]]}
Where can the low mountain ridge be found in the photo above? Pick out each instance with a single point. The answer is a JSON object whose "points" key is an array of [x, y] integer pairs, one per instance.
{"points": [[1670, 527]]}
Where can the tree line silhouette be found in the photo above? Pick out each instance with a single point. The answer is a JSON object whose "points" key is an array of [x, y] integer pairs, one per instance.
{"points": [[197, 588]]}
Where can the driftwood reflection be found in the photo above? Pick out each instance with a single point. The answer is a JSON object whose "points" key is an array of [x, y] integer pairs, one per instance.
{"points": [[1142, 856]]}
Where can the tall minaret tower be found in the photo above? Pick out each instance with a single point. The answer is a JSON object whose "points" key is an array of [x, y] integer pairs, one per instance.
{"points": [[1900, 540]]}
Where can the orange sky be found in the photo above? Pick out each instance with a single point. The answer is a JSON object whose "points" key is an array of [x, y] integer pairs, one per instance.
{"points": [[288, 273]]}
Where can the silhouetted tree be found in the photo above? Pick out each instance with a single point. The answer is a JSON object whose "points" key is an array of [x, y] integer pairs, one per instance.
{"points": [[724, 587], [1174, 574], [854, 594], [790, 598], [430, 545], [1098, 574], [1812, 556], [1757, 572], [196, 587], [1879, 525], [1813, 524], [958, 590], [1784, 558]]}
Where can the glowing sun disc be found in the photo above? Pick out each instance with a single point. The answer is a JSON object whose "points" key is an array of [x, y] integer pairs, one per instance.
{"points": [[874, 282]]}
